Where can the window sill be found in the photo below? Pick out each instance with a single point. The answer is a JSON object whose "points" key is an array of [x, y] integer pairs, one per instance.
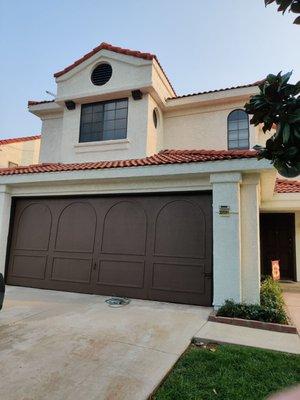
{"points": [[105, 145]]}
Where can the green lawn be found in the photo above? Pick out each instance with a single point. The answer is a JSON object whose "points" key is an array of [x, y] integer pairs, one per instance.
{"points": [[229, 373]]}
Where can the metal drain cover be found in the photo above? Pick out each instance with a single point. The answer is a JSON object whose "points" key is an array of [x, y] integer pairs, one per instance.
{"points": [[117, 301]]}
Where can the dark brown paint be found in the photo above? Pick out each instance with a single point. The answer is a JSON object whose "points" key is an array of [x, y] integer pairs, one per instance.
{"points": [[156, 247]]}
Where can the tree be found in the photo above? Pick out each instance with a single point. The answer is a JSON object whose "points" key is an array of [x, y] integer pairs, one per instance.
{"points": [[291, 5], [278, 105]]}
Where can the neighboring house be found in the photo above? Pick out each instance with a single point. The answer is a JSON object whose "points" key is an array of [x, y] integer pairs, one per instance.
{"points": [[19, 151], [143, 193]]}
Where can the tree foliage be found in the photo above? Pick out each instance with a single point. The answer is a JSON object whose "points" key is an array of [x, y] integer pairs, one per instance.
{"points": [[278, 105], [283, 5]]}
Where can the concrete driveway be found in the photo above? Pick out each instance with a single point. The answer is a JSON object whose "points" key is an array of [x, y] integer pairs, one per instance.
{"points": [[57, 345]]}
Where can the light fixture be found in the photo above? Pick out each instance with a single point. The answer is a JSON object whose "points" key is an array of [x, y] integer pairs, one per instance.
{"points": [[70, 105], [137, 94]]}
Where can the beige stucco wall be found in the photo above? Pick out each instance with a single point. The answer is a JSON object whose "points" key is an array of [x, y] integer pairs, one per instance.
{"points": [[154, 135], [202, 127], [51, 138], [21, 153]]}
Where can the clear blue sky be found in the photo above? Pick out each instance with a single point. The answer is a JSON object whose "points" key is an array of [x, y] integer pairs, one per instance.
{"points": [[201, 44]]}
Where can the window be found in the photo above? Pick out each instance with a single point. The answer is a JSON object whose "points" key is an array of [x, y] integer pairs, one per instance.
{"points": [[155, 118], [238, 130], [106, 120], [12, 164]]}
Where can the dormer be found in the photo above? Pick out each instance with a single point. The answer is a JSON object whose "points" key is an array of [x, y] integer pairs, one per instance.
{"points": [[108, 106]]}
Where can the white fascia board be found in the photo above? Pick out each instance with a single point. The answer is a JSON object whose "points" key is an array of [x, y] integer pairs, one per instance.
{"points": [[45, 108], [116, 186], [170, 170], [287, 202]]}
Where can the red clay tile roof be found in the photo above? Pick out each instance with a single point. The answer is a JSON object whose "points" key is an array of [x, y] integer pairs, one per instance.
{"points": [[34, 102], [19, 139], [217, 90], [287, 186], [164, 157], [115, 49]]}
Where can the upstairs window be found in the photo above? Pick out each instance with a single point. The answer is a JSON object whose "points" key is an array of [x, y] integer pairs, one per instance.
{"points": [[238, 130], [106, 120]]}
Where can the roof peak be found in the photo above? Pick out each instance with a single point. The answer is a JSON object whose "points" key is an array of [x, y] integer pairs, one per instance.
{"points": [[109, 47], [115, 49]]}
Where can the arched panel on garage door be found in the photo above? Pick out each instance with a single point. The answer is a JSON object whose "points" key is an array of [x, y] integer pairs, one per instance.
{"points": [[34, 227], [125, 229], [180, 230], [76, 228]]}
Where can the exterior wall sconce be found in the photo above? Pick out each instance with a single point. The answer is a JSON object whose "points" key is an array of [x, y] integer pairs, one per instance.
{"points": [[137, 94], [70, 105]]}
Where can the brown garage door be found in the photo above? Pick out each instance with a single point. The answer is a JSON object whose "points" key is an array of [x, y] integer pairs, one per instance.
{"points": [[147, 246]]}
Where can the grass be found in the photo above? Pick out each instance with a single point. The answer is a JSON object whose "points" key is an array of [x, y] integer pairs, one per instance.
{"points": [[229, 373]]}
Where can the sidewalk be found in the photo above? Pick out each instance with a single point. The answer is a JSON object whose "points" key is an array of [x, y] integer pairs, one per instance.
{"points": [[224, 333], [291, 294]]}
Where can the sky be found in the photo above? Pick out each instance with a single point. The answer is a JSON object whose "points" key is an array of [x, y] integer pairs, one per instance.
{"points": [[201, 44]]}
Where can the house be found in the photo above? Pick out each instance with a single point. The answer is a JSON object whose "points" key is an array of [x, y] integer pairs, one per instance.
{"points": [[19, 151], [142, 193]]}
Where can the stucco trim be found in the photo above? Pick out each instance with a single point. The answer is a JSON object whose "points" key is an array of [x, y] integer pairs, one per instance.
{"points": [[105, 145]]}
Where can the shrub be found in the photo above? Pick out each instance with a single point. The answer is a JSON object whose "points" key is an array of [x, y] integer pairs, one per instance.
{"points": [[270, 309], [271, 294]]}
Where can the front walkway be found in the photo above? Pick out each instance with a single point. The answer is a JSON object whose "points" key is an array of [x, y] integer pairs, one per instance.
{"points": [[65, 346], [291, 294], [224, 333], [256, 337]]}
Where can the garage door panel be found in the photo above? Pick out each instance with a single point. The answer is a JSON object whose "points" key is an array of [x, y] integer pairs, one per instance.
{"points": [[178, 277], [35, 218], [125, 229], [176, 233], [184, 298], [29, 266], [76, 228], [121, 273], [71, 270]]}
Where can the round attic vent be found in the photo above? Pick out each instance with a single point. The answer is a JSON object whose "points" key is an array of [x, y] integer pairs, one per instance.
{"points": [[101, 74]]}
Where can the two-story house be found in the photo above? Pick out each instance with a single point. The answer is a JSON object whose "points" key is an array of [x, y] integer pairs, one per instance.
{"points": [[146, 194]]}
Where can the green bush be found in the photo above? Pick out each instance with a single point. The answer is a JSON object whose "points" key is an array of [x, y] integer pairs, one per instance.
{"points": [[270, 309], [271, 294]]}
